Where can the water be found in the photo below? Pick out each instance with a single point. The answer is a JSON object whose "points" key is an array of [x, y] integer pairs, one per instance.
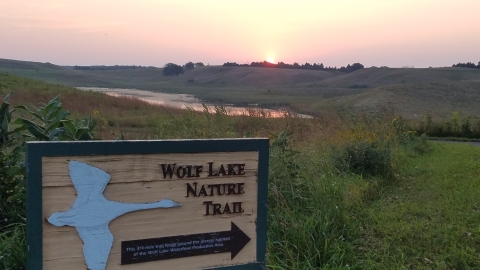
{"points": [[183, 101]]}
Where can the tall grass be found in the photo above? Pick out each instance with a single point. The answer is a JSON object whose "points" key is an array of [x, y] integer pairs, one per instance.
{"points": [[328, 178], [306, 212], [458, 125], [12, 247]]}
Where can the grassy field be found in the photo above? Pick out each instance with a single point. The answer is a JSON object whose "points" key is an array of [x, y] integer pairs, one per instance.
{"points": [[411, 93], [344, 193], [427, 218], [413, 101]]}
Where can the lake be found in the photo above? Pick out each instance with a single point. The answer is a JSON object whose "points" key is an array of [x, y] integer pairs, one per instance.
{"points": [[184, 101]]}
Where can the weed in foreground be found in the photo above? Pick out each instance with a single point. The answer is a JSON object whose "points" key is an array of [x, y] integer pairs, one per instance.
{"points": [[45, 123], [12, 247], [306, 214]]}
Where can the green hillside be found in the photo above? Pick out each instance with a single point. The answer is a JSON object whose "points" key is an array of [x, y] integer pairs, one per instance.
{"points": [[415, 100], [50, 73], [375, 77]]}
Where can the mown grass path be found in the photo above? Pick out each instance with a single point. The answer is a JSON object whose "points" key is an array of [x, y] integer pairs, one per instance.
{"points": [[429, 218]]}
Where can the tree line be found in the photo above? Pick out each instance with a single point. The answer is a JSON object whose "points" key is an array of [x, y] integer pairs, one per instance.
{"points": [[314, 66], [467, 65], [171, 69]]}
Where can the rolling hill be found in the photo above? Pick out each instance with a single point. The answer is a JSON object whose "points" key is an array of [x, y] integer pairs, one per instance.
{"points": [[413, 101], [410, 92], [375, 77]]}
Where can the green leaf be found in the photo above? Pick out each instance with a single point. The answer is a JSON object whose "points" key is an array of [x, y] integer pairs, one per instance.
{"points": [[17, 196], [69, 127], [26, 122], [55, 133], [33, 128], [54, 100], [80, 124], [22, 107], [4, 108], [9, 115], [90, 124], [65, 137], [29, 136], [38, 133], [85, 137], [51, 110], [16, 170], [33, 113], [18, 129], [4, 126], [59, 111], [52, 103], [80, 132], [5, 115], [7, 97], [55, 122]]}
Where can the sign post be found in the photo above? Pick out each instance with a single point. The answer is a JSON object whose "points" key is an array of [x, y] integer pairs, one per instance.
{"points": [[179, 204]]}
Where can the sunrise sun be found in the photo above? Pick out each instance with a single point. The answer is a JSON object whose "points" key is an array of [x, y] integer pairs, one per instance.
{"points": [[271, 60]]}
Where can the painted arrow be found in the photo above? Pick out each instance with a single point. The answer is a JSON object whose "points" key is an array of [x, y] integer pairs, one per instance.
{"points": [[155, 249]]}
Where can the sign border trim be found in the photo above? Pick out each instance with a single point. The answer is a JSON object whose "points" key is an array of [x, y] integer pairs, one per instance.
{"points": [[36, 150]]}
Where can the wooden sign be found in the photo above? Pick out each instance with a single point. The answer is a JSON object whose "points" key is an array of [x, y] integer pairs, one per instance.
{"points": [[181, 204]]}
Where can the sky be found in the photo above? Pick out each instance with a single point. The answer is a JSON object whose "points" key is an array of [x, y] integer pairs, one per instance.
{"points": [[394, 33]]}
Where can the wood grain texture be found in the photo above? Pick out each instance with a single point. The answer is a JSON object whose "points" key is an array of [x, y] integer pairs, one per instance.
{"points": [[138, 178]]}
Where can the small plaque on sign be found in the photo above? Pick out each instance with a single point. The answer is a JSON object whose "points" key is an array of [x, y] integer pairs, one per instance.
{"points": [[172, 247]]}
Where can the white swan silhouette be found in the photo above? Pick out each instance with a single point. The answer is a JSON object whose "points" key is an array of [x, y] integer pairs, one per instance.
{"points": [[92, 212]]}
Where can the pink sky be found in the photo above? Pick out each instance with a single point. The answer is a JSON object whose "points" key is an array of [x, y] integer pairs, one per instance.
{"points": [[418, 33]]}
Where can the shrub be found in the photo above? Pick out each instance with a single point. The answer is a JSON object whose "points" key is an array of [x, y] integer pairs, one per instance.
{"points": [[46, 123], [171, 69], [420, 145], [363, 153], [358, 86]]}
